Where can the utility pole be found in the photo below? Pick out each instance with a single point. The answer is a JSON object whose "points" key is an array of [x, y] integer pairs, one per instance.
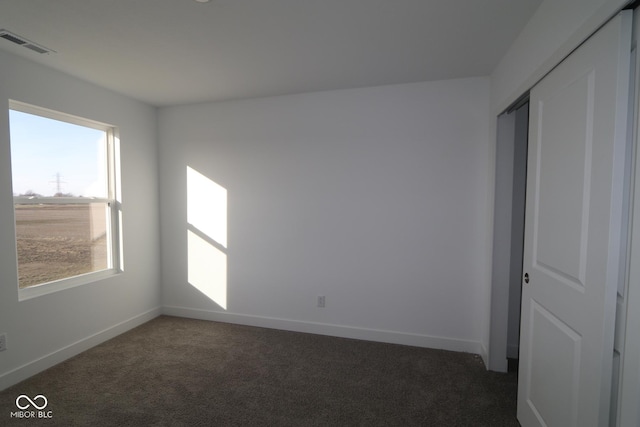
{"points": [[58, 183]]}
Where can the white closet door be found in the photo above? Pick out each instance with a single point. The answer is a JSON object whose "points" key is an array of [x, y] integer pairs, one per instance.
{"points": [[577, 137]]}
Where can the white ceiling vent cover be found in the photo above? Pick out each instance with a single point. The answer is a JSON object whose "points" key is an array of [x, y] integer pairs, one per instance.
{"points": [[14, 38]]}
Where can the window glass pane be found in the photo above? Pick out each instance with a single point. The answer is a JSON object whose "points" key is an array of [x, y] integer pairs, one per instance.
{"points": [[64, 231], [54, 158], [60, 241]]}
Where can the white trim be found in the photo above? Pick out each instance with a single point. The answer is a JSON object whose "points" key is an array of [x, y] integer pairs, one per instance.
{"points": [[66, 283], [378, 335], [47, 361], [600, 17], [629, 390], [113, 206], [23, 107], [484, 355], [501, 255]]}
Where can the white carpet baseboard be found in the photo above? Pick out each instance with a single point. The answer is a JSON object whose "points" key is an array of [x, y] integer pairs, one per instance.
{"points": [[47, 361], [392, 337]]}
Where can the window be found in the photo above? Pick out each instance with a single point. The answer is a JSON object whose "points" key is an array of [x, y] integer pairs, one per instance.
{"points": [[66, 213]]}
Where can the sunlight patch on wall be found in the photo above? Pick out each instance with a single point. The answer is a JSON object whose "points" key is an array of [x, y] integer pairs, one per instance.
{"points": [[207, 269], [207, 236], [207, 206]]}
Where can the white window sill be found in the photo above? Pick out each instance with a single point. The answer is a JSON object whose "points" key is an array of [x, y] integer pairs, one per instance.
{"points": [[60, 285]]}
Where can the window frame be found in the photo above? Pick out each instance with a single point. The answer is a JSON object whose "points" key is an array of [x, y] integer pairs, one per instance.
{"points": [[113, 211]]}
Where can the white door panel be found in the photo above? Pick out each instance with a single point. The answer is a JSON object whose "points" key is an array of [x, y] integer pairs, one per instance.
{"points": [[577, 137]]}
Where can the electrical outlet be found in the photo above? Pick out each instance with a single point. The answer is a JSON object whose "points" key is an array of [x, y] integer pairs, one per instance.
{"points": [[321, 301], [3, 342]]}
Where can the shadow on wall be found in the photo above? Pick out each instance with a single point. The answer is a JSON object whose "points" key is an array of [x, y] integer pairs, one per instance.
{"points": [[207, 236]]}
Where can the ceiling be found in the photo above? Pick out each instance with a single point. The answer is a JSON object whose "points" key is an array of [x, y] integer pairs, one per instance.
{"points": [[169, 52]]}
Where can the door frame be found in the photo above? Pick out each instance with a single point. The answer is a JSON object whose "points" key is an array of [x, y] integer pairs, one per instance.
{"points": [[502, 210], [498, 310], [629, 388], [506, 185]]}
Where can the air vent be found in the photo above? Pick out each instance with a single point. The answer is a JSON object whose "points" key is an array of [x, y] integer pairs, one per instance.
{"points": [[14, 38], [35, 48]]}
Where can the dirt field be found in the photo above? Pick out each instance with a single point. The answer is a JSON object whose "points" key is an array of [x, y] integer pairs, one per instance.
{"points": [[56, 242]]}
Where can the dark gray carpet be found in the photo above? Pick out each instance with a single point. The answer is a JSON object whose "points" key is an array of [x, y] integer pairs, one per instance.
{"points": [[182, 372]]}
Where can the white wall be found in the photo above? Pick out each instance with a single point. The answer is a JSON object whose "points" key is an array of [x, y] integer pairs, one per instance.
{"points": [[46, 329], [375, 198]]}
